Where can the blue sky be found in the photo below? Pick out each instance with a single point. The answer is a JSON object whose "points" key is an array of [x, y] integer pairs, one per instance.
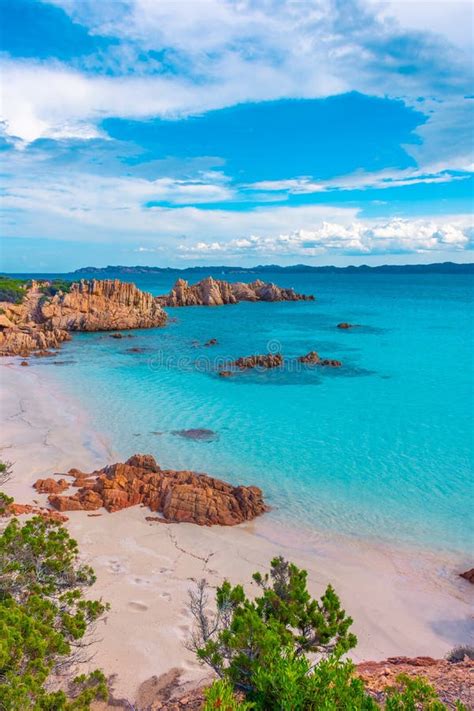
{"points": [[235, 132]]}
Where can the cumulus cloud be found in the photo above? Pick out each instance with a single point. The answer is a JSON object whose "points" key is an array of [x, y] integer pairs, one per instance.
{"points": [[358, 237]]}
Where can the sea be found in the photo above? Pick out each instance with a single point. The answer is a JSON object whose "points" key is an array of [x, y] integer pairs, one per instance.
{"points": [[381, 448]]}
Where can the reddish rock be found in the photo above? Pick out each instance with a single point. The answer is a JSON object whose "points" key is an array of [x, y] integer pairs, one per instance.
{"points": [[42, 322], [178, 495], [51, 486], [452, 680], [211, 342], [468, 575], [312, 358], [344, 325], [213, 292], [24, 363], [269, 360], [15, 509], [225, 373], [116, 335]]}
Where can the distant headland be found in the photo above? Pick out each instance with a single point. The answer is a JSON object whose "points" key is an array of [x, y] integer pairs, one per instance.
{"points": [[437, 268]]}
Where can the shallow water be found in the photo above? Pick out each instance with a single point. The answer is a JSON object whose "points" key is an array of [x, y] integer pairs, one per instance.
{"points": [[381, 447]]}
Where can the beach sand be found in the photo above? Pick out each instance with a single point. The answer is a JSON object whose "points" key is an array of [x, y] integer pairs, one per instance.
{"points": [[403, 601]]}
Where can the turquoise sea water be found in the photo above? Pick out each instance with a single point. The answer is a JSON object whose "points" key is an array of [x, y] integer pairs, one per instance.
{"points": [[382, 447]]}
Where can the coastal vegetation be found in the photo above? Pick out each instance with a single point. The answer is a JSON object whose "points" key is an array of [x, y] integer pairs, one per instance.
{"points": [[12, 290], [45, 619], [285, 651]]}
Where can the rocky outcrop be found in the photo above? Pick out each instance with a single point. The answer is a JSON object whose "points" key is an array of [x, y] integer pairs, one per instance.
{"points": [[345, 326], [107, 305], [468, 575], [42, 322], [178, 496], [213, 292], [269, 360], [51, 486], [312, 358], [452, 680], [15, 509]]}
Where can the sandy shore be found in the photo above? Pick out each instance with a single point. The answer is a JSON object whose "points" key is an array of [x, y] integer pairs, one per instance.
{"points": [[404, 602]]}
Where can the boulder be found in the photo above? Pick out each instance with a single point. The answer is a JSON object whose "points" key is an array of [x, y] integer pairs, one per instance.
{"points": [[178, 496], [312, 358], [344, 325], [51, 486]]}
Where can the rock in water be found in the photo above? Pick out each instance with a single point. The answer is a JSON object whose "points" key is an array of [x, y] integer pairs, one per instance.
{"points": [[213, 292], [269, 360], [312, 358], [178, 495]]}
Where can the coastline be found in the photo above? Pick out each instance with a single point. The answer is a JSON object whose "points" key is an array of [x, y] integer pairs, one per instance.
{"points": [[404, 602]]}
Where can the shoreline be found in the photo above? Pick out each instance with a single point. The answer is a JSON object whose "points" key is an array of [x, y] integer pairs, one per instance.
{"points": [[403, 602]]}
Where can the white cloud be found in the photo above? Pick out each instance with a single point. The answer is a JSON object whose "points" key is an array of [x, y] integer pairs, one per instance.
{"points": [[224, 52], [358, 237]]}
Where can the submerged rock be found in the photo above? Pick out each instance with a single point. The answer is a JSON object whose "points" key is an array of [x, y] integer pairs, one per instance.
{"points": [[214, 292], [178, 495], [344, 325], [211, 342], [199, 434]]}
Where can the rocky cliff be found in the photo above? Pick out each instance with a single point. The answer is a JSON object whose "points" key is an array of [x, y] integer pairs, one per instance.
{"points": [[213, 292], [103, 306], [177, 495], [41, 321]]}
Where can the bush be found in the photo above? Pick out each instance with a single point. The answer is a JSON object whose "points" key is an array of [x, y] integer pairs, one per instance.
{"points": [[12, 290], [55, 286], [44, 618], [283, 650], [458, 654]]}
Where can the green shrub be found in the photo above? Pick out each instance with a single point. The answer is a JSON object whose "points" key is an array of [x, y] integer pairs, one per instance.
{"points": [[44, 618], [56, 285], [12, 290], [458, 654], [283, 650]]}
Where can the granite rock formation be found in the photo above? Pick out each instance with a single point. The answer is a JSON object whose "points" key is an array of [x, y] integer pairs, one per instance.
{"points": [[51, 486], [42, 322], [213, 292], [108, 305], [177, 495]]}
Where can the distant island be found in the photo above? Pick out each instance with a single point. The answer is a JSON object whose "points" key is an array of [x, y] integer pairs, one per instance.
{"points": [[437, 268]]}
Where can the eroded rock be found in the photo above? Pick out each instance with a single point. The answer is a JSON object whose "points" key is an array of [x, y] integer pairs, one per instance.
{"points": [[51, 486], [178, 495], [214, 292]]}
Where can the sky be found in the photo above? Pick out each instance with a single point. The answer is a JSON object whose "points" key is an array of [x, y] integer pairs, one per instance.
{"points": [[186, 132]]}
